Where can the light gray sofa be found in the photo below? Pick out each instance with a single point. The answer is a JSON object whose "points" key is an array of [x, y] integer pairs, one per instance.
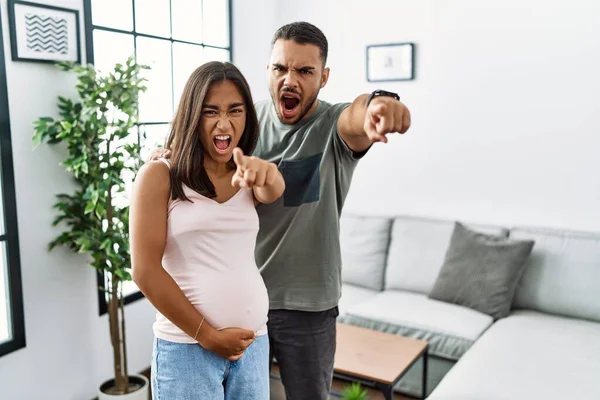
{"points": [[547, 348]]}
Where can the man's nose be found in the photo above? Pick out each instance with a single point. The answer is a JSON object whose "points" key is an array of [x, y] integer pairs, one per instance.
{"points": [[290, 79]]}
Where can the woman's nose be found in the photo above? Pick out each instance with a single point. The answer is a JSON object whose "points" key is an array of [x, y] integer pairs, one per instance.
{"points": [[223, 123]]}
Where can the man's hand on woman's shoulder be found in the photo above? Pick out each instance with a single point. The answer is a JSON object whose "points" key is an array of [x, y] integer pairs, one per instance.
{"points": [[159, 152]]}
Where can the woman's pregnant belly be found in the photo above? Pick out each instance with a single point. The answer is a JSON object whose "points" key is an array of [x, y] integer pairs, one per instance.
{"points": [[235, 302], [237, 299]]}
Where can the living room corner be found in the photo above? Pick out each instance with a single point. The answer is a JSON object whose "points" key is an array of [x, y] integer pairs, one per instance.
{"points": [[470, 245]]}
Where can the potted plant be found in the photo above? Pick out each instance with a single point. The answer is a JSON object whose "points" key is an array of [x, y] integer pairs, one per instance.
{"points": [[354, 392], [103, 155]]}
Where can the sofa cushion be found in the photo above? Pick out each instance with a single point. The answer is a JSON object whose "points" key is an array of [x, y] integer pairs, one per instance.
{"points": [[353, 295], [449, 329], [528, 355], [364, 242], [481, 271], [562, 276], [417, 250]]}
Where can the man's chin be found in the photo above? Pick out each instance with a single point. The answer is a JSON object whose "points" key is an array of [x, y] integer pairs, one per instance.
{"points": [[289, 121], [289, 118]]}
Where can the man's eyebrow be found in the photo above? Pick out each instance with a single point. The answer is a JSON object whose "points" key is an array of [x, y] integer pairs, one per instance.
{"points": [[305, 67]]}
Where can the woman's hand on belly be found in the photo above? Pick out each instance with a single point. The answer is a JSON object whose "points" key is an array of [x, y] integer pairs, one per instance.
{"points": [[228, 343]]}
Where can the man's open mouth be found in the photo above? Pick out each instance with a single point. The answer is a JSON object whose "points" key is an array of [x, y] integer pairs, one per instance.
{"points": [[289, 105], [222, 143]]}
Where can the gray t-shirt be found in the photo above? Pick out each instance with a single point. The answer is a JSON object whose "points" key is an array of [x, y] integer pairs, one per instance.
{"points": [[298, 245]]}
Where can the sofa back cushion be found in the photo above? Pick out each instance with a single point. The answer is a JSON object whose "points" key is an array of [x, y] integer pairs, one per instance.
{"points": [[417, 250], [562, 275], [364, 242], [481, 271]]}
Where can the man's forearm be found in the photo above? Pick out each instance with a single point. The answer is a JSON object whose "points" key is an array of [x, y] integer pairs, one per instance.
{"points": [[351, 125]]}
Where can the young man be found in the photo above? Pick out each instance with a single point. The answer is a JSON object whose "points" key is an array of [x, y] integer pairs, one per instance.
{"points": [[317, 146]]}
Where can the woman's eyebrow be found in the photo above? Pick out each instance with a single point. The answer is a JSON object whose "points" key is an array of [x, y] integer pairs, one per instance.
{"points": [[215, 107]]}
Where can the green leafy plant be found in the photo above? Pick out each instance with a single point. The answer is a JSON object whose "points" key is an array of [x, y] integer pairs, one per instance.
{"points": [[355, 392], [103, 155]]}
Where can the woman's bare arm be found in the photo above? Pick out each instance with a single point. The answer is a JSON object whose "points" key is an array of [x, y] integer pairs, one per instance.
{"points": [[148, 233]]}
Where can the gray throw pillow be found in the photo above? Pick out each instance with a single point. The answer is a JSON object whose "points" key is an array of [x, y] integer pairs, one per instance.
{"points": [[481, 271]]}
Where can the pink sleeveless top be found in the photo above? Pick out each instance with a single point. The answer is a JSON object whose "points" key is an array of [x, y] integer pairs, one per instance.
{"points": [[210, 254]]}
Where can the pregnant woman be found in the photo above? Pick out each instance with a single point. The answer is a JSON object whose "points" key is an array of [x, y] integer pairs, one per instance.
{"points": [[193, 227]]}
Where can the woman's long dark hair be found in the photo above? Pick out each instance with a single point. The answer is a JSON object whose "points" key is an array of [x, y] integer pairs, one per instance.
{"points": [[187, 152]]}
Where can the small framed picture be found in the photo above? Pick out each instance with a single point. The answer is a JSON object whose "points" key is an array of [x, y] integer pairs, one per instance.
{"points": [[43, 33], [390, 62]]}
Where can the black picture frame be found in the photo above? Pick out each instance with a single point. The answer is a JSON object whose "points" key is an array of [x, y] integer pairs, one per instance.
{"points": [[47, 38], [390, 62]]}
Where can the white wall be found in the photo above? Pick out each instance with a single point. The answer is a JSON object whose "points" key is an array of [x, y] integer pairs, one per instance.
{"points": [[505, 129], [505, 107], [68, 352], [254, 23]]}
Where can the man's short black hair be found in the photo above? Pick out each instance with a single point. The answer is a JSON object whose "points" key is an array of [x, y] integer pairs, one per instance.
{"points": [[303, 33]]}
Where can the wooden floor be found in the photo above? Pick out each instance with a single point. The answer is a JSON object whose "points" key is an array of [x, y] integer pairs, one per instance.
{"points": [[277, 392]]}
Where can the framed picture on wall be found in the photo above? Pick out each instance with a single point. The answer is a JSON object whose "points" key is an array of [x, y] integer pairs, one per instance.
{"points": [[42, 33], [390, 62]]}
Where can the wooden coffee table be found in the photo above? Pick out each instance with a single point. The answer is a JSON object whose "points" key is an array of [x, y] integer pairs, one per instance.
{"points": [[377, 359]]}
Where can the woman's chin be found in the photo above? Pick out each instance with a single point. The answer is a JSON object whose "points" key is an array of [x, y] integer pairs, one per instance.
{"points": [[222, 156]]}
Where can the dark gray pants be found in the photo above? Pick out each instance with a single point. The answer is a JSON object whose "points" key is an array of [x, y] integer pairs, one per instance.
{"points": [[304, 345]]}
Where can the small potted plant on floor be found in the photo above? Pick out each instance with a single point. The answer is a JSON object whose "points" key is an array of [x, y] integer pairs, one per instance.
{"points": [[102, 156], [354, 392]]}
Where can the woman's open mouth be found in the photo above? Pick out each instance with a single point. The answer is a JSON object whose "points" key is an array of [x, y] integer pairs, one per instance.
{"points": [[222, 143], [289, 105]]}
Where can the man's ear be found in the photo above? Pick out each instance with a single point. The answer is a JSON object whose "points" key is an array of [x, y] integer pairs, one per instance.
{"points": [[324, 77]]}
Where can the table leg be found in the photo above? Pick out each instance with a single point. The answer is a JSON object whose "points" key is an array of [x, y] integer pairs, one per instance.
{"points": [[424, 383], [387, 390]]}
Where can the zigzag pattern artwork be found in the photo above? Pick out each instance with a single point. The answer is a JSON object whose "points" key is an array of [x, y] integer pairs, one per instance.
{"points": [[46, 34]]}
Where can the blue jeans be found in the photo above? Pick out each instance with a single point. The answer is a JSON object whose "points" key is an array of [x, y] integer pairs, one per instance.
{"points": [[187, 371]]}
